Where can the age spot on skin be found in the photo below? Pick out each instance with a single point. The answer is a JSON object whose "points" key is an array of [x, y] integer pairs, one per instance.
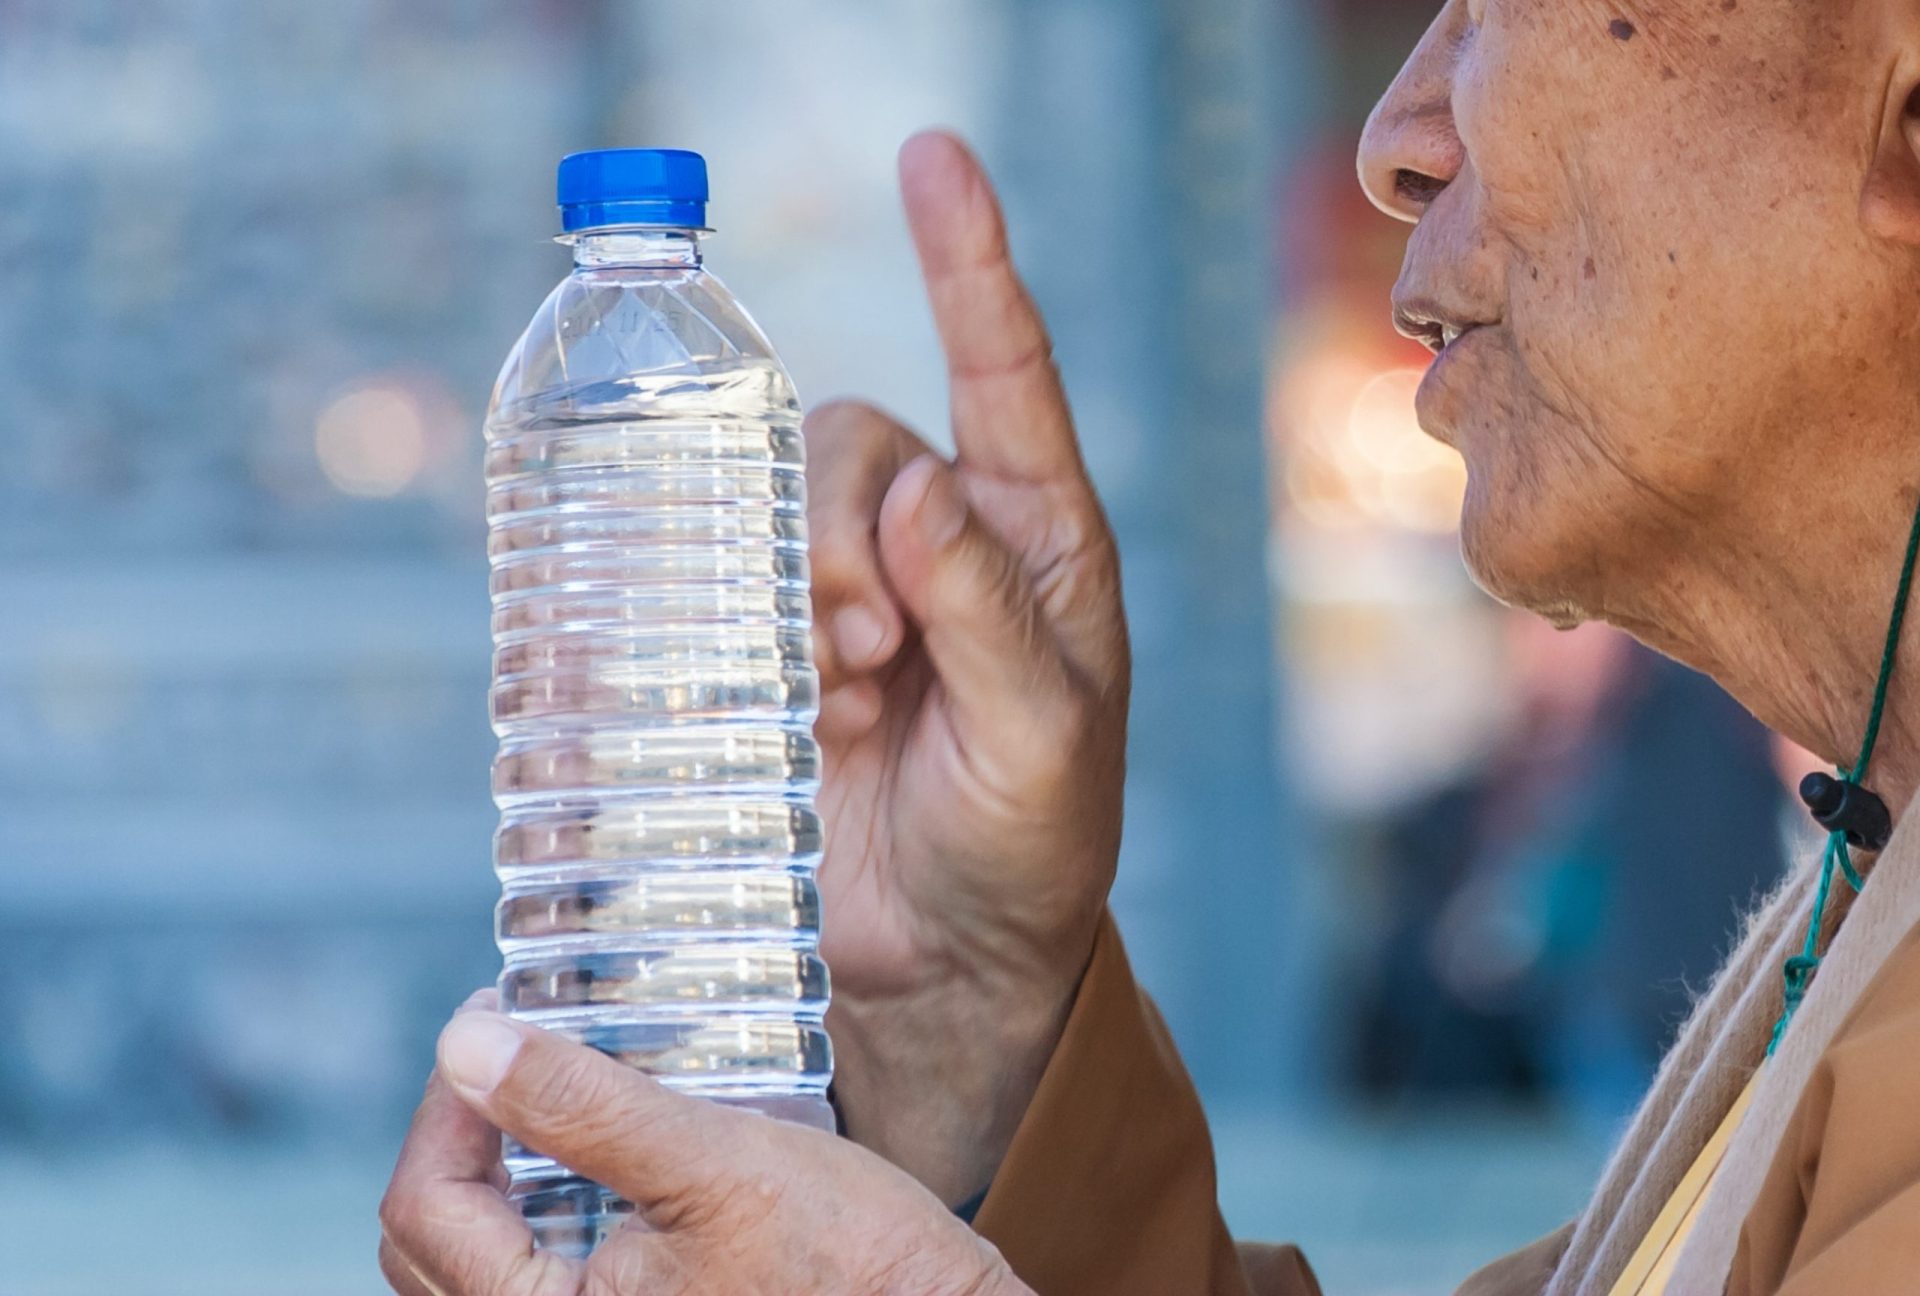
{"points": [[1622, 30], [1589, 270]]}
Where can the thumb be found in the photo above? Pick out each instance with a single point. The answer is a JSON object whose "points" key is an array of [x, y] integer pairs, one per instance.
{"points": [[975, 607], [596, 1116]]}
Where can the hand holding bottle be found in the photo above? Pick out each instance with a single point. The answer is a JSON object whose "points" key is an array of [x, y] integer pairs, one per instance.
{"points": [[729, 1202]]}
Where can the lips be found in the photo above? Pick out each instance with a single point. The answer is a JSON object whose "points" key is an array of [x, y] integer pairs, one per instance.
{"points": [[1434, 325]]}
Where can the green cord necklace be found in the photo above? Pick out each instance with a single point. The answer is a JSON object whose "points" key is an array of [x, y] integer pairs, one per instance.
{"points": [[1853, 817]]}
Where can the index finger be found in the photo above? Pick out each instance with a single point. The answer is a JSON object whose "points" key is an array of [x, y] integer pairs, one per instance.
{"points": [[445, 1217], [443, 1211], [1010, 414]]}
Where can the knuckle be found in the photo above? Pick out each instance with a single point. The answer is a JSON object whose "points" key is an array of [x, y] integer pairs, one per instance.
{"points": [[1077, 542], [399, 1213], [635, 1263], [1071, 713], [719, 1206], [840, 540], [1081, 530], [1088, 591], [842, 419], [541, 1276], [721, 1198], [978, 568], [393, 1268], [854, 447]]}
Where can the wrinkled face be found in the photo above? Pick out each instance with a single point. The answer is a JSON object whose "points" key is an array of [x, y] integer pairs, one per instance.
{"points": [[1640, 252]]}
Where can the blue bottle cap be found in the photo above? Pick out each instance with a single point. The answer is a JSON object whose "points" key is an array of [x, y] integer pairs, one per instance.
{"points": [[603, 187]]}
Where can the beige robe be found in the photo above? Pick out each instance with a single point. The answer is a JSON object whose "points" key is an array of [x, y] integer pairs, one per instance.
{"points": [[1108, 1188]]}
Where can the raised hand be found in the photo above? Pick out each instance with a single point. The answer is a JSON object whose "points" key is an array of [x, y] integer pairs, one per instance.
{"points": [[974, 658], [729, 1204]]}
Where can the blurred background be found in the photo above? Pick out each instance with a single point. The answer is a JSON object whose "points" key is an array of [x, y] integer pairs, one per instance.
{"points": [[1422, 885]]}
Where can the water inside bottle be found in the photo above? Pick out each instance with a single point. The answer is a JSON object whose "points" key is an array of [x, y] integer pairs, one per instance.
{"points": [[654, 695]]}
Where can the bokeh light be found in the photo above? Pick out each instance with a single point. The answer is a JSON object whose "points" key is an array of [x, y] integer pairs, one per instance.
{"points": [[371, 440], [1359, 457]]}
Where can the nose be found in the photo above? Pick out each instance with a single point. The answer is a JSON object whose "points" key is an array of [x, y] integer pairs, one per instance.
{"points": [[1411, 150]]}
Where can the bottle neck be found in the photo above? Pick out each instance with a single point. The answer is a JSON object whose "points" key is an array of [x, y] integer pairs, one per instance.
{"points": [[596, 249]]}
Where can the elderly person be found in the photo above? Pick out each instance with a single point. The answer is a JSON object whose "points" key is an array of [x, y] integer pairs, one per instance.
{"points": [[1668, 252]]}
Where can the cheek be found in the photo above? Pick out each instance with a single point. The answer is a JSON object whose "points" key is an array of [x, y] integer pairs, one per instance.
{"points": [[1646, 321], [1673, 352], [1527, 96], [1671, 222]]}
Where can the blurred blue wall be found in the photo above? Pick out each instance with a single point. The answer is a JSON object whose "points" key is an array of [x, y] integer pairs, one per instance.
{"points": [[243, 810]]}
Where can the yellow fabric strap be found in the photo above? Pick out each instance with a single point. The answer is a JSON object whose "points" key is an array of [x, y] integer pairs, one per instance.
{"points": [[1648, 1272]]}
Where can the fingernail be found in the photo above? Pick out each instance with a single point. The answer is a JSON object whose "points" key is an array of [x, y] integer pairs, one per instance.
{"points": [[858, 634], [484, 997], [476, 1049], [941, 513]]}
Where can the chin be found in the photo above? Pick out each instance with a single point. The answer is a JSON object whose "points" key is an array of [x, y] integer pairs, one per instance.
{"points": [[1525, 552]]}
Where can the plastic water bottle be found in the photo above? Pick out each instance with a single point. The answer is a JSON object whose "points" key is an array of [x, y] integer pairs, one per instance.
{"points": [[653, 688]]}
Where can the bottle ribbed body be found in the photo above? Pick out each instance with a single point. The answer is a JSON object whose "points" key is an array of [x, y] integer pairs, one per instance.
{"points": [[654, 696]]}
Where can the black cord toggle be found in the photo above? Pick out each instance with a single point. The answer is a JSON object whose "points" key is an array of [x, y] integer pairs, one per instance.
{"points": [[1843, 806]]}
